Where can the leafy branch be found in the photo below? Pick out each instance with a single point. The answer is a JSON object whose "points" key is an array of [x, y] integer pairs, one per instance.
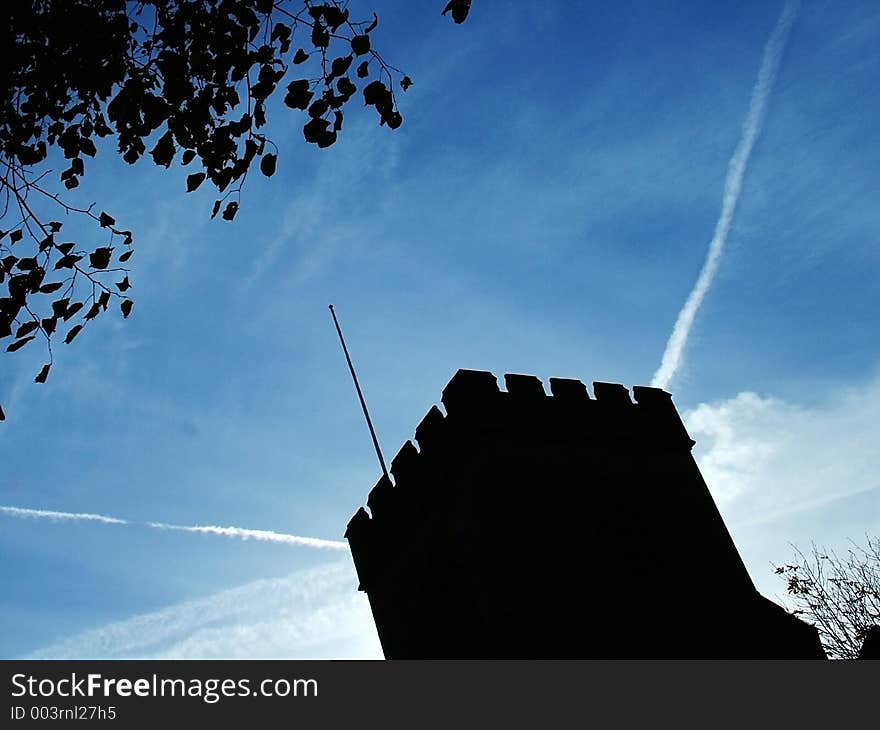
{"points": [[839, 594], [188, 79]]}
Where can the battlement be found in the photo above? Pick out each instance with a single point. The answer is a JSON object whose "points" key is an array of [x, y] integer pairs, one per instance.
{"points": [[476, 407], [517, 519]]}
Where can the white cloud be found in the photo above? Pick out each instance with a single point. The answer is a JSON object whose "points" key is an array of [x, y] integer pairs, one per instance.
{"points": [[786, 474], [763, 457], [310, 614]]}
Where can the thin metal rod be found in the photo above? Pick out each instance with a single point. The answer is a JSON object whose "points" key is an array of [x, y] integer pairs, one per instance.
{"points": [[360, 394]]}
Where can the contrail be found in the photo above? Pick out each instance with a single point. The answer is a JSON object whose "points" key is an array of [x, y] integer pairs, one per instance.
{"points": [[244, 534], [44, 514], [240, 533], [736, 170]]}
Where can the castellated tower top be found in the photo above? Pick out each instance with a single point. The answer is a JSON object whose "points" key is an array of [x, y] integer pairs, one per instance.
{"points": [[528, 525]]}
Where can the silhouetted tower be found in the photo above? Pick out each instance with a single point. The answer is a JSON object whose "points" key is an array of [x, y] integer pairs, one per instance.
{"points": [[563, 526]]}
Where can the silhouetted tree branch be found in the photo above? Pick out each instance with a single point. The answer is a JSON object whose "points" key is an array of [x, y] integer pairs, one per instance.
{"points": [[175, 79], [840, 595]]}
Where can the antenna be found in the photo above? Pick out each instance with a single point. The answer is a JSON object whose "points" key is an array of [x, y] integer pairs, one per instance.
{"points": [[360, 394]]}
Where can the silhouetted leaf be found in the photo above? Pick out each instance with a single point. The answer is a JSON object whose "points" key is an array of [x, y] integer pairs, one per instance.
{"points": [[65, 248], [363, 69], [47, 242], [123, 285], [18, 344], [317, 132], [405, 83], [320, 35], [67, 262], [217, 204], [49, 288], [123, 257], [27, 264], [376, 93], [93, 312], [49, 324], [43, 374], [188, 156], [55, 226], [59, 306], [163, 152], [300, 56], [71, 183], [392, 119], [230, 210], [346, 88], [104, 299], [27, 328], [194, 180], [298, 94], [319, 108], [35, 278], [15, 236], [2, 414], [267, 164], [223, 178], [126, 306], [74, 331], [72, 309], [360, 44], [100, 258], [19, 286], [459, 8], [338, 68], [106, 220]]}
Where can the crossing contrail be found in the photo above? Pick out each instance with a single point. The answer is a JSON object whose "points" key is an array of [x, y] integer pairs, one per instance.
{"points": [[736, 170], [245, 534], [45, 514], [239, 533]]}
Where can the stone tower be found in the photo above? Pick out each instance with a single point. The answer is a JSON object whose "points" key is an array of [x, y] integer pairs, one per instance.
{"points": [[560, 526]]}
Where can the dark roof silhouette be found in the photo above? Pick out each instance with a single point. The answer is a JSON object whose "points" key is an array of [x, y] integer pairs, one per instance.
{"points": [[562, 526]]}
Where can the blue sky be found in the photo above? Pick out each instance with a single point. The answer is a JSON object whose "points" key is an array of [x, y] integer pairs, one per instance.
{"points": [[545, 208]]}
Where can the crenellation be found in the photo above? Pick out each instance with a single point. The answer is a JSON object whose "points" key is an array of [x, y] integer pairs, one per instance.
{"points": [[431, 429], [524, 386], [659, 410], [405, 465], [612, 393], [380, 499], [569, 389], [469, 390], [360, 539]]}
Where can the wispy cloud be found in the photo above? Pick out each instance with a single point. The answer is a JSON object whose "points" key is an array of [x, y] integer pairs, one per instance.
{"points": [[264, 535], [239, 533], [736, 170], [315, 613], [764, 457], [44, 514], [330, 210], [783, 473]]}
